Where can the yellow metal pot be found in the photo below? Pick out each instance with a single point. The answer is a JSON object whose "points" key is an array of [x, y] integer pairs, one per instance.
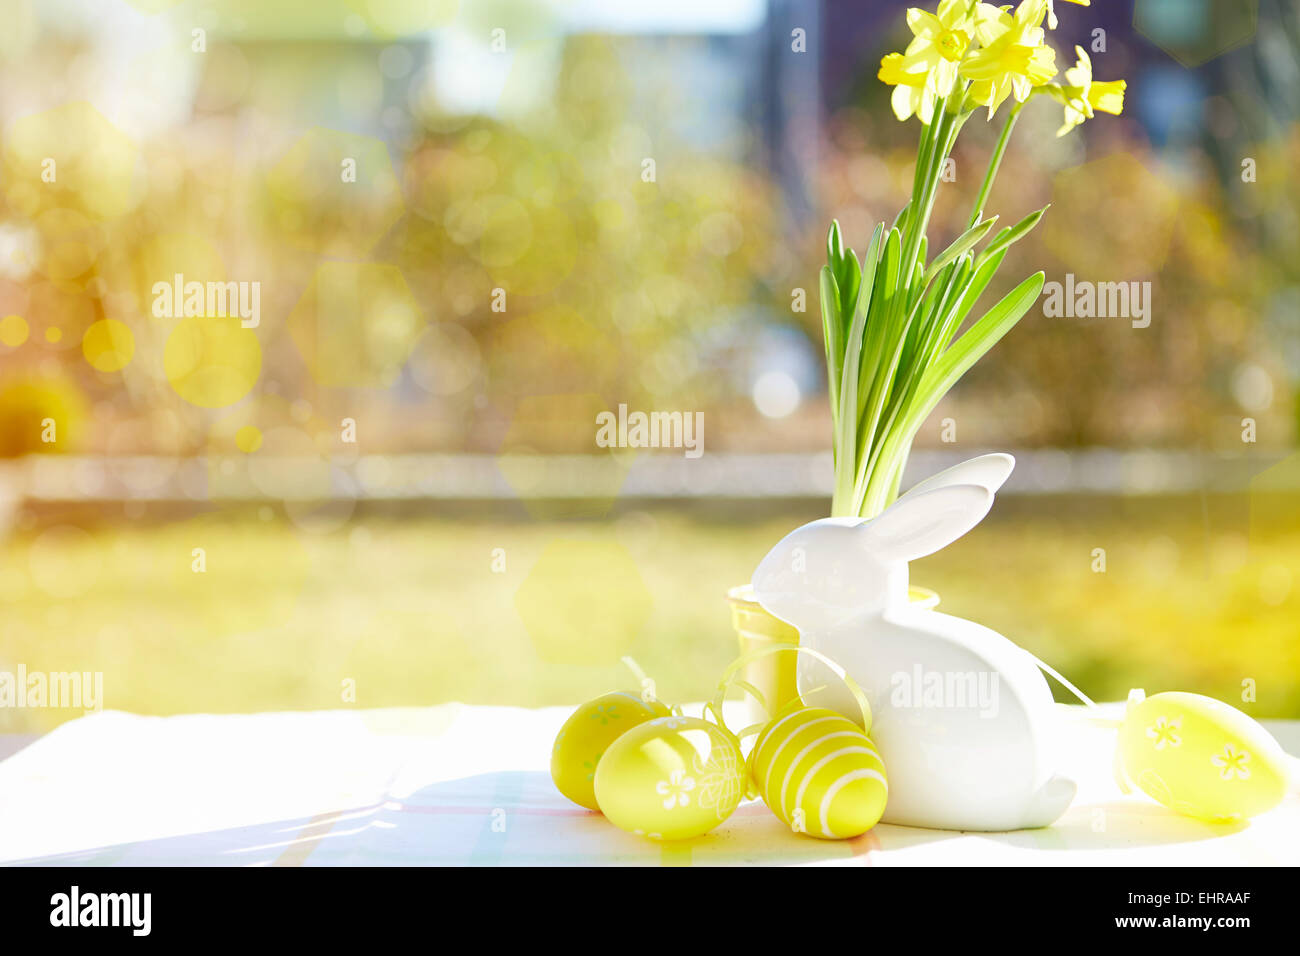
{"points": [[774, 674]]}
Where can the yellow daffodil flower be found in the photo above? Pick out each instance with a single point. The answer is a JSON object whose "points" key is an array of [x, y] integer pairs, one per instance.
{"points": [[1012, 58], [1081, 95], [1051, 11], [940, 41], [912, 92]]}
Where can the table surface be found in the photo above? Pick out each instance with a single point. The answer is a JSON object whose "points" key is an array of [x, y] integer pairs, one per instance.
{"points": [[458, 784]]}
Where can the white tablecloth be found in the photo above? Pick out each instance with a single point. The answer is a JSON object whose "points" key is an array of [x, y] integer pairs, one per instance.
{"points": [[457, 784]]}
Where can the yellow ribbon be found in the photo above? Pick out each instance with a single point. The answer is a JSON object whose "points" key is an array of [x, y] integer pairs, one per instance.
{"points": [[731, 679]]}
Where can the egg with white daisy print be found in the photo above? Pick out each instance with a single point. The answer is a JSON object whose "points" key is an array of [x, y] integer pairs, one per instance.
{"points": [[671, 778], [1201, 757]]}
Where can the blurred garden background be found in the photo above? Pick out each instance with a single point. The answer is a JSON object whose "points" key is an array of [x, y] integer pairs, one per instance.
{"points": [[475, 225]]}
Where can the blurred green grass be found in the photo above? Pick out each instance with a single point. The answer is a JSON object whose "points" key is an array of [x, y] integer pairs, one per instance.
{"points": [[418, 610]]}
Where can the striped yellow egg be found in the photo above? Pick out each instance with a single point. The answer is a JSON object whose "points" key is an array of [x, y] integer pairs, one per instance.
{"points": [[819, 773]]}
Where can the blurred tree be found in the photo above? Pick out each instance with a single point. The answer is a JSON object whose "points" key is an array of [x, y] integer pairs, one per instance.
{"points": [[615, 244]]}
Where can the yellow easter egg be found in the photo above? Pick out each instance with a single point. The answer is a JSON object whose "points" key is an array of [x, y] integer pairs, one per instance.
{"points": [[819, 773], [1200, 757], [587, 734], [671, 778]]}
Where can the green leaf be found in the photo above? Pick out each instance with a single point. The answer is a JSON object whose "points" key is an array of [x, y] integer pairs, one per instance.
{"points": [[890, 344], [965, 241], [848, 279], [1013, 234], [923, 334], [901, 217], [843, 264], [950, 367], [831, 330], [834, 246], [846, 424], [975, 285], [971, 346], [915, 285], [854, 338], [916, 360], [884, 305]]}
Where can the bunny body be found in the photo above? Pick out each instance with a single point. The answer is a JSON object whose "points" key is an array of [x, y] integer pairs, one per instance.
{"points": [[962, 717]]}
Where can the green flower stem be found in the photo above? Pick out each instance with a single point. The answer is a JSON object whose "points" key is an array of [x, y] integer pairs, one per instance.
{"points": [[995, 161], [873, 445], [900, 462], [923, 152], [943, 133], [874, 468]]}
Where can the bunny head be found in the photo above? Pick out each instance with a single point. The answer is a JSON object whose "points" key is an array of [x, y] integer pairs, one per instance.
{"points": [[834, 569]]}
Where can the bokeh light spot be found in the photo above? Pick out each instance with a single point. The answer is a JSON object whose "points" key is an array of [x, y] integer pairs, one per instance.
{"points": [[108, 345], [212, 362], [445, 360], [72, 158], [507, 231], [776, 394], [13, 331], [26, 404], [1196, 31], [249, 439]]}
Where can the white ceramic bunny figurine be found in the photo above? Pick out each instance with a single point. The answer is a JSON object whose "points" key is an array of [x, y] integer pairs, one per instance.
{"points": [[963, 718]]}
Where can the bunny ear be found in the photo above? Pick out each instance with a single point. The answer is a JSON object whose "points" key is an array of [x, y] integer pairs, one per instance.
{"points": [[921, 523], [989, 471]]}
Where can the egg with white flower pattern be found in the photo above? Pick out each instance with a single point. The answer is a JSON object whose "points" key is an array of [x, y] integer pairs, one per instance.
{"points": [[1200, 757], [819, 773], [671, 778], [587, 734]]}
